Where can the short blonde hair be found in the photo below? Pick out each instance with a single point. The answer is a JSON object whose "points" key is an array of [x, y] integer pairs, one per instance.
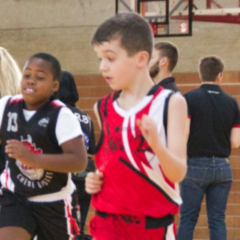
{"points": [[10, 74]]}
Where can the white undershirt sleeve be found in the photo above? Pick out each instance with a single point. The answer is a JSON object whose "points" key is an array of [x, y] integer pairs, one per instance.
{"points": [[67, 126]]}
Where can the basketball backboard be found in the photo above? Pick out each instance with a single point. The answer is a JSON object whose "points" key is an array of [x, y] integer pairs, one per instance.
{"points": [[161, 15]]}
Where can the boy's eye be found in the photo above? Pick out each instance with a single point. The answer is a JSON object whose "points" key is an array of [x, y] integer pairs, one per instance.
{"points": [[26, 76], [39, 78]]}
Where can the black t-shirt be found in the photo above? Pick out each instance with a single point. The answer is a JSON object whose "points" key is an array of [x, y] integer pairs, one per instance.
{"points": [[213, 114], [169, 83], [89, 139]]}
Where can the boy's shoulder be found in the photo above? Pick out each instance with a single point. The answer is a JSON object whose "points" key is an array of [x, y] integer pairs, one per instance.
{"points": [[57, 103], [13, 98], [10, 99]]}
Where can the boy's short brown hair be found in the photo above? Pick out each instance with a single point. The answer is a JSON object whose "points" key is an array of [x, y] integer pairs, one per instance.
{"points": [[210, 67], [131, 29]]}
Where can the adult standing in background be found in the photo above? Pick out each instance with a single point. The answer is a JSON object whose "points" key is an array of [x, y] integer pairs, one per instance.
{"points": [[214, 128], [164, 60], [10, 77]]}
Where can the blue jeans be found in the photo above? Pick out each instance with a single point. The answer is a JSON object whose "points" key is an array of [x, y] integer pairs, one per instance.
{"points": [[210, 176]]}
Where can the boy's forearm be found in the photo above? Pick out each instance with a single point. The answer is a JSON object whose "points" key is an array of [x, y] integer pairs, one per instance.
{"points": [[173, 165], [66, 162]]}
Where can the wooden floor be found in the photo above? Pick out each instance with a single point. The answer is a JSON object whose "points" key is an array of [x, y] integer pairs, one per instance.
{"points": [[91, 88]]}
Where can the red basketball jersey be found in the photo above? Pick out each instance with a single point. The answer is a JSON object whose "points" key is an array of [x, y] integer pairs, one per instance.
{"points": [[134, 182]]}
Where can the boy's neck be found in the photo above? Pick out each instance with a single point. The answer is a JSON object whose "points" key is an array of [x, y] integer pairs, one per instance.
{"points": [[129, 97]]}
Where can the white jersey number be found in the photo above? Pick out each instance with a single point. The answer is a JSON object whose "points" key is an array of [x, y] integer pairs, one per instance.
{"points": [[12, 122]]}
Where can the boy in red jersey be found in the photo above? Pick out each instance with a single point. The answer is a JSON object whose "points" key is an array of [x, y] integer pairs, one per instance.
{"points": [[141, 155]]}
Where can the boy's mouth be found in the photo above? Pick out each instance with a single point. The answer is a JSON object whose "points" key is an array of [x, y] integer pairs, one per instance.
{"points": [[108, 79], [28, 90]]}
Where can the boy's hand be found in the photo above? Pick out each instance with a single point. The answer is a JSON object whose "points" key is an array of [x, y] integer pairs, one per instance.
{"points": [[15, 149], [94, 182], [149, 130]]}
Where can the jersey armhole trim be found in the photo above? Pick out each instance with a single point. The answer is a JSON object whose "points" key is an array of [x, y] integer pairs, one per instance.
{"points": [[100, 141], [165, 113]]}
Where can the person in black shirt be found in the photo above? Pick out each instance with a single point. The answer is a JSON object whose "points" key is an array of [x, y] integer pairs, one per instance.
{"points": [[214, 128], [164, 60], [68, 94], [43, 146]]}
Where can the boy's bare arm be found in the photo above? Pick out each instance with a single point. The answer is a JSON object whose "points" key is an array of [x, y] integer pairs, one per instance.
{"points": [[94, 180], [73, 158], [172, 158], [235, 137]]}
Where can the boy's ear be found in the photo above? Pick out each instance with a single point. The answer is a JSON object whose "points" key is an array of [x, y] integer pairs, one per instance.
{"points": [[55, 86], [143, 59]]}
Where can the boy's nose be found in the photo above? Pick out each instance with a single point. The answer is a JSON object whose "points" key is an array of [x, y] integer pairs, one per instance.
{"points": [[31, 81], [103, 66]]}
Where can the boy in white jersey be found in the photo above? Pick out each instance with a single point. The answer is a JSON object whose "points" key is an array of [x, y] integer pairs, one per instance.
{"points": [[141, 155], [43, 145]]}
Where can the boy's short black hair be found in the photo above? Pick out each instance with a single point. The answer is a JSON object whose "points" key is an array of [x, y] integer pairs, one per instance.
{"points": [[170, 51], [56, 67], [210, 67], [131, 29], [67, 92]]}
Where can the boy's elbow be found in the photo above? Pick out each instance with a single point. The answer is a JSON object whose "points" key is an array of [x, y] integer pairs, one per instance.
{"points": [[179, 176], [81, 163], [182, 171]]}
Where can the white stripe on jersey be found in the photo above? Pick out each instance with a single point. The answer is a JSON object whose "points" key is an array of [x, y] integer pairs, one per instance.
{"points": [[69, 219], [62, 194], [156, 175], [133, 110], [170, 233], [156, 112], [6, 180], [130, 115], [126, 143]]}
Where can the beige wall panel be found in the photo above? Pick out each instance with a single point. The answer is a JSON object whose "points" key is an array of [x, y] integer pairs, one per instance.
{"points": [[207, 39], [65, 27], [53, 13], [70, 45]]}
